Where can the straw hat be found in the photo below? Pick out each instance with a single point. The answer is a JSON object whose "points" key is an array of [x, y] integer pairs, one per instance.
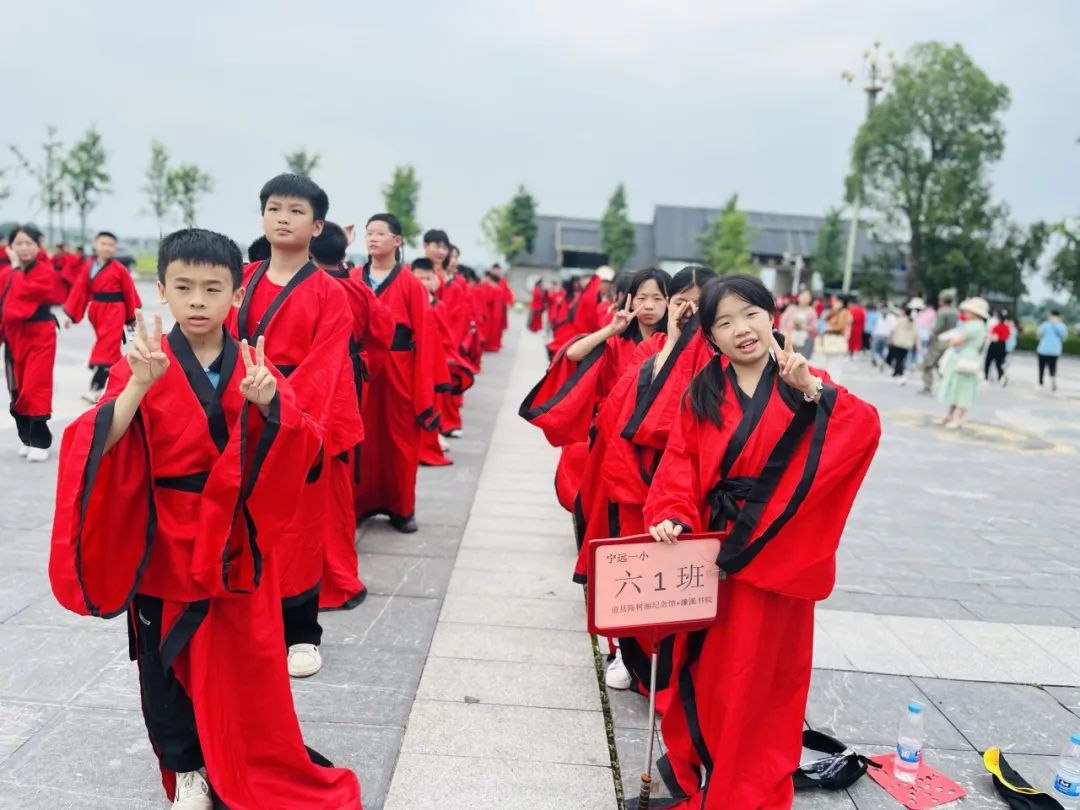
{"points": [[977, 307], [916, 303]]}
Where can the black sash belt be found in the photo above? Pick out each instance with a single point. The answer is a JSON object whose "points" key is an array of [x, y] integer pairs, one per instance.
{"points": [[403, 339], [195, 482], [724, 500], [41, 315], [182, 631], [286, 371], [108, 297]]}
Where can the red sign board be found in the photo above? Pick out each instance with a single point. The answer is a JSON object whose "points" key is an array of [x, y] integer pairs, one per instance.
{"points": [[640, 587]]}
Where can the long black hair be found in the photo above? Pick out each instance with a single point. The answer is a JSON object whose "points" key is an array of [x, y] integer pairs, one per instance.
{"points": [[706, 390], [694, 275], [662, 279]]}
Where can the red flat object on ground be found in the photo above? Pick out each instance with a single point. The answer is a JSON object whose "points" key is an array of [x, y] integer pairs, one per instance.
{"points": [[931, 788]]}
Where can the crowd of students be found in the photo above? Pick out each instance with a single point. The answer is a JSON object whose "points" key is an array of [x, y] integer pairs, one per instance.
{"points": [[212, 493], [678, 408]]}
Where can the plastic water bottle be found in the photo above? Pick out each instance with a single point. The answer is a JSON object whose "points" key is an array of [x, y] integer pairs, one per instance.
{"points": [[1067, 778], [909, 743]]}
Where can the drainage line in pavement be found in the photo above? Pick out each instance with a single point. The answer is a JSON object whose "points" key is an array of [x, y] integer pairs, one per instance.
{"points": [[609, 724]]}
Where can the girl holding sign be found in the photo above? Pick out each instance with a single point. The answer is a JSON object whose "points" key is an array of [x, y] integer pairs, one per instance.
{"points": [[771, 453]]}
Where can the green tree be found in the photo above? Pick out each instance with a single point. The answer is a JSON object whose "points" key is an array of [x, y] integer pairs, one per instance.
{"points": [[617, 237], [85, 177], [725, 245], [187, 184], [922, 156], [49, 176], [991, 259], [401, 198], [498, 231], [521, 214], [829, 254], [302, 162], [1065, 265], [156, 187]]}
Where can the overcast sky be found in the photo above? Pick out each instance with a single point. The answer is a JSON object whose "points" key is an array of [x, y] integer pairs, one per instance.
{"points": [[684, 102]]}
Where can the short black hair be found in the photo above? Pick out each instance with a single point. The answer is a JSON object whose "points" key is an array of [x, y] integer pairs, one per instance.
{"points": [[1056, 311], [295, 185], [29, 230], [435, 236], [259, 250], [392, 221], [200, 246], [423, 263], [109, 234], [328, 248]]}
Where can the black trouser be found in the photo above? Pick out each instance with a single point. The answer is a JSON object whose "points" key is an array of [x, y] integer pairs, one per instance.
{"points": [[897, 359], [100, 378], [33, 432], [995, 355], [301, 617], [167, 709], [1047, 362]]}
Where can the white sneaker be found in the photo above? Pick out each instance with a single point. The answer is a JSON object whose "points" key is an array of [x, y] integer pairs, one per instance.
{"points": [[91, 397], [456, 433], [24, 450], [442, 443], [34, 454], [192, 791], [617, 676], [304, 660]]}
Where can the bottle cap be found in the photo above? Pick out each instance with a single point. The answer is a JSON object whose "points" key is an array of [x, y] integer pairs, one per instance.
{"points": [[914, 707], [1075, 739]]}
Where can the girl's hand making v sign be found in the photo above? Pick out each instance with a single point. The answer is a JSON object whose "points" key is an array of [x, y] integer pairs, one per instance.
{"points": [[795, 371], [623, 318]]}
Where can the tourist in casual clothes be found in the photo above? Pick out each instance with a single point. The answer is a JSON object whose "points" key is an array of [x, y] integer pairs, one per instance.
{"points": [[1052, 333], [902, 341], [961, 363], [946, 319], [872, 318], [799, 325], [997, 351], [836, 334], [883, 328]]}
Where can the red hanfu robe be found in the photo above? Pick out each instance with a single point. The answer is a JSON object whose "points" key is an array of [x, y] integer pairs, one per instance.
{"points": [[29, 329], [307, 325], [536, 308], [778, 479], [561, 320], [111, 299], [453, 299], [431, 452], [497, 299], [563, 404], [373, 325], [69, 266], [400, 403], [193, 506]]}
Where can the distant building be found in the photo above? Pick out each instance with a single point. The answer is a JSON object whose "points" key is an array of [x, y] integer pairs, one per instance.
{"points": [[568, 245]]}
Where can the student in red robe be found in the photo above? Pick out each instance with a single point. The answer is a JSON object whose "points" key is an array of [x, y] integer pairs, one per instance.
{"points": [[373, 325], [473, 346], [498, 300], [180, 523], [401, 398], [29, 331], [306, 319], [452, 315], [564, 403], [105, 288], [432, 444], [769, 452], [69, 264], [631, 434], [537, 306]]}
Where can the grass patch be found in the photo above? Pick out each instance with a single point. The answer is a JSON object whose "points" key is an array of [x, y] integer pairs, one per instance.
{"points": [[146, 264], [600, 662]]}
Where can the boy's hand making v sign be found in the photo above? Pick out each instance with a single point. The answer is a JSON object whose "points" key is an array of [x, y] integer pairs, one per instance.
{"points": [[259, 386]]}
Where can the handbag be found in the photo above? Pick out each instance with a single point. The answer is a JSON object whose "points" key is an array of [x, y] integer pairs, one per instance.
{"points": [[967, 366], [833, 343]]}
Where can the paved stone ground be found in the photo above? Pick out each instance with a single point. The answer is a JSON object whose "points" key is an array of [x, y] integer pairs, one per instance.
{"points": [[956, 586]]}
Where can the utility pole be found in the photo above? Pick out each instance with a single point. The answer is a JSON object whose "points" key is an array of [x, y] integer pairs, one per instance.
{"points": [[875, 83]]}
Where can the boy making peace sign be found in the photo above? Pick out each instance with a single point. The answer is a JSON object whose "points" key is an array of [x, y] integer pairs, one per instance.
{"points": [[173, 500]]}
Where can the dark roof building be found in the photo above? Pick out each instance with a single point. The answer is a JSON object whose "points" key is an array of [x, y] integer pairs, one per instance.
{"points": [[671, 241]]}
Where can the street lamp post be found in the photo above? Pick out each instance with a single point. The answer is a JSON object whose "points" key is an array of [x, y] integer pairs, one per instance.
{"points": [[875, 83]]}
